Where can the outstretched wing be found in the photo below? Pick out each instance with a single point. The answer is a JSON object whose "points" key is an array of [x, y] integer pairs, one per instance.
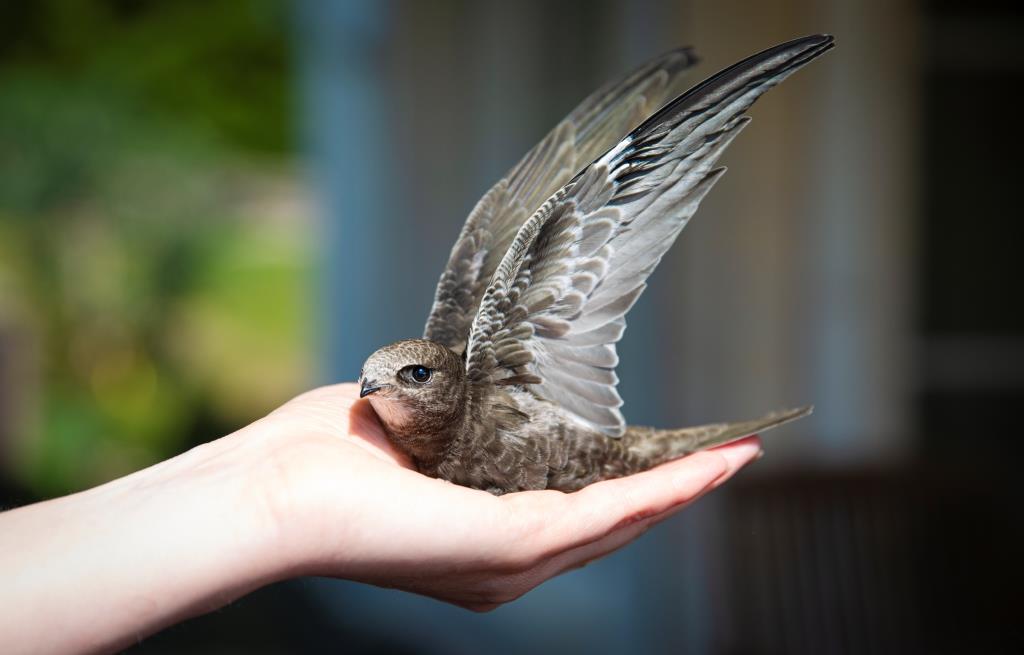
{"points": [[591, 129], [557, 303]]}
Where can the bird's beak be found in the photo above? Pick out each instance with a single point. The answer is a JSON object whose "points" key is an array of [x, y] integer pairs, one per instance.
{"points": [[367, 387]]}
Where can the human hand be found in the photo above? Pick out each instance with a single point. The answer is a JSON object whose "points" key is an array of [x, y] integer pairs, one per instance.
{"points": [[314, 488], [346, 504]]}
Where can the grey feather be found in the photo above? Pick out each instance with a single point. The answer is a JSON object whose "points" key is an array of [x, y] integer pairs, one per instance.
{"points": [[592, 128], [615, 220], [520, 355]]}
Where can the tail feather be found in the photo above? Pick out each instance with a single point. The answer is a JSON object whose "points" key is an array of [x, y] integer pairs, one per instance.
{"points": [[653, 447]]}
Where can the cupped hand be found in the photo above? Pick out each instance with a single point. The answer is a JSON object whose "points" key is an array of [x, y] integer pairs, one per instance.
{"points": [[346, 504]]}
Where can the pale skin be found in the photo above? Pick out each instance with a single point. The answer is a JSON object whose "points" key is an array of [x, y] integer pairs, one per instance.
{"points": [[314, 488]]}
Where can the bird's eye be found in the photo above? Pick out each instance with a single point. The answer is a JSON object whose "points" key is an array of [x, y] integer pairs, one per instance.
{"points": [[420, 374]]}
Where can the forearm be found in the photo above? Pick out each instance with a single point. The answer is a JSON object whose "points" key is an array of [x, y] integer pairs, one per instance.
{"points": [[315, 488], [100, 569]]}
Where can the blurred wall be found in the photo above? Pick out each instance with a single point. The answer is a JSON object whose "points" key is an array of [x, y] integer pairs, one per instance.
{"points": [[795, 279]]}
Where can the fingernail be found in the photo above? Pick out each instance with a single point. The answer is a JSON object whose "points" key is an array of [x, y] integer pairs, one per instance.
{"points": [[740, 454]]}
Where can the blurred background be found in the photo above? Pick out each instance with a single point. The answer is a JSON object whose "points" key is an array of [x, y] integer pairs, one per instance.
{"points": [[191, 191]]}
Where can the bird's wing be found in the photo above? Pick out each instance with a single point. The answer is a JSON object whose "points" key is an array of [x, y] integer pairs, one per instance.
{"points": [[591, 129], [556, 305]]}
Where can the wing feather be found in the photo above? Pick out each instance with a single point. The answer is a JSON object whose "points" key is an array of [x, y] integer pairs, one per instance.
{"points": [[592, 128], [557, 302]]}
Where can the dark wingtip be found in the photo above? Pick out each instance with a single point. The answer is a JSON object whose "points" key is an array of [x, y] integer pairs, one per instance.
{"points": [[801, 51], [813, 40]]}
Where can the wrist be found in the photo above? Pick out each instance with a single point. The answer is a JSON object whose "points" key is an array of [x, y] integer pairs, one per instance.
{"points": [[192, 536], [172, 541], [218, 503]]}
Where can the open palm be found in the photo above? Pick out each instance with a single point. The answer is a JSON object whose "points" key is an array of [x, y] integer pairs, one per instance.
{"points": [[353, 507]]}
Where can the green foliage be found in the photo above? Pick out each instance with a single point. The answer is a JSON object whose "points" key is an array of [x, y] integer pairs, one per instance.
{"points": [[152, 249], [217, 67]]}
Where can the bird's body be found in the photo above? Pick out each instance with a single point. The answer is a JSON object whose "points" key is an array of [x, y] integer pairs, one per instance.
{"points": [[513, 386], [508, 439], [520, 442]]}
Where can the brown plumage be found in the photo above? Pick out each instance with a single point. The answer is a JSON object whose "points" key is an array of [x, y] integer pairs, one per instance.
{"points": [[513, 386]]}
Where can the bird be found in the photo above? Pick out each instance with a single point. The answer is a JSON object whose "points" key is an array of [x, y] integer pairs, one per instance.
{"points": [[512, 386]]}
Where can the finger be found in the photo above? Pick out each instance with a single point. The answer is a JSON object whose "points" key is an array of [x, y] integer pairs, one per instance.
{"points": [[512, 585], [602, 508], [553, 522], [736, 455], [605, 506], [739, 454], [582, 555]]}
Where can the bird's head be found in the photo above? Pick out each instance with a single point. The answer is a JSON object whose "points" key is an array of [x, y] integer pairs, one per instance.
{"points": [[417, 387]]}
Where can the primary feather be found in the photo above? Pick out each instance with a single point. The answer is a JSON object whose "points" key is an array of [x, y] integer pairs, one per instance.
{"points": [[557, 301], [593, 127]]}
